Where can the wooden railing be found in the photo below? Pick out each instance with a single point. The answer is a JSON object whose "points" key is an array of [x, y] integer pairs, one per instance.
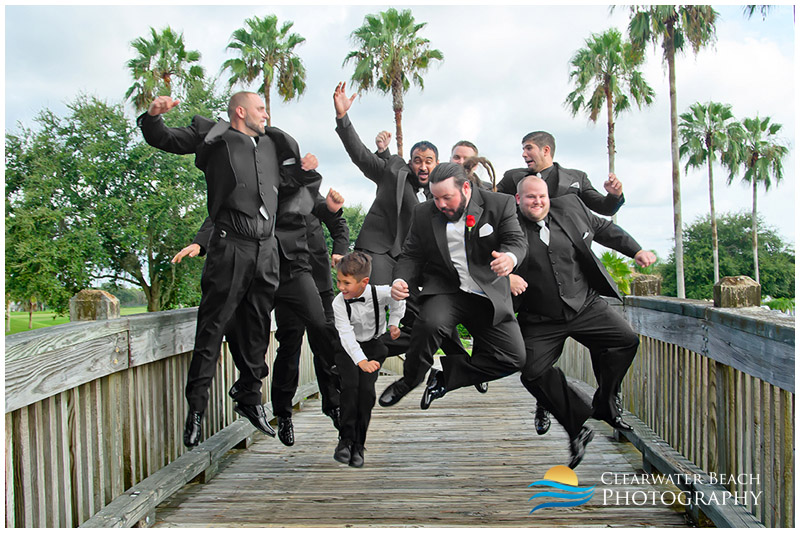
{"points": [[718, 386], [93, 408]]}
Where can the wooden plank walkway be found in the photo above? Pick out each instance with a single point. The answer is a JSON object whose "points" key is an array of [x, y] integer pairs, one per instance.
{"points": [[467, 461]]}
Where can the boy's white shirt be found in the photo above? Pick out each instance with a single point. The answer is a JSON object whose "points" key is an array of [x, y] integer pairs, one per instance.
{"points": [[361, 324]]}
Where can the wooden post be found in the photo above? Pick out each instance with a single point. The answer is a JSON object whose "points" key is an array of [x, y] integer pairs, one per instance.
{"points": [[93, 304], [737, 291], [645, 284]]}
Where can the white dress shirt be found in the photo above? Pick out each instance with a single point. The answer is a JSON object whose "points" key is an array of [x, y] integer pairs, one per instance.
{"points": [[361, 324]]}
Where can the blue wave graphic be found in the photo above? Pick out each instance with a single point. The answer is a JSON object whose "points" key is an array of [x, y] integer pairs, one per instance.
{"points": [[560, 504], [576, 496], [580, 494]]}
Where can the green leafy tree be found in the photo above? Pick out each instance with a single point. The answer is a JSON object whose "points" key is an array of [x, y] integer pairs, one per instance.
{"points": [[162, 65], [605, 74], [706, 130], [48, 246], [735, 257], [134, 206], [619, 269], [266, 53], [390, 57], [673, 26], [760, 154]]}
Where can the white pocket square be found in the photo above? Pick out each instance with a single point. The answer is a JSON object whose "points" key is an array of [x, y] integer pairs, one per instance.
{"points": [[575, 184], [585, 235], [290, 161], [485, 230]]}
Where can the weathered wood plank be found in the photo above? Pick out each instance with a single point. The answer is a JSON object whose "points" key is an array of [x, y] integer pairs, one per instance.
{"points": [[156, 336], [34, 378], [127, 509], [423, 468]]}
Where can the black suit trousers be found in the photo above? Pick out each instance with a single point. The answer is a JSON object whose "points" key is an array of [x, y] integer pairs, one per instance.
{"points": [[300, 307], [239, 281], [497, 350], [358, 390], [612, 345]]}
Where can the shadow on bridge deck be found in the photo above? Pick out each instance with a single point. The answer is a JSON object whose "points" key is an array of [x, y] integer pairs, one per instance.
{"points": [[467, 461]]}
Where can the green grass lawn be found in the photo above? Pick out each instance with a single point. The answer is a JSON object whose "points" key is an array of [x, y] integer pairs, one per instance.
{"points": [[43, 319]]}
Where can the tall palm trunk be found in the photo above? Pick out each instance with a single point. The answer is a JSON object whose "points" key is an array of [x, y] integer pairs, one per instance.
{"points": [[610, 141], [714, 239], [755, 228], [611, 144], [267, 87], [397, 106], [676, 171]]}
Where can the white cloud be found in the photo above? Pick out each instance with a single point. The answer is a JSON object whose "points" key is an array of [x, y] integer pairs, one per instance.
{"points": [[505, 73]]}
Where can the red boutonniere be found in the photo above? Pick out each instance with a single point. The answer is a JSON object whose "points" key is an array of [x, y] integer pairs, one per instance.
{"points": [[470, 221]]}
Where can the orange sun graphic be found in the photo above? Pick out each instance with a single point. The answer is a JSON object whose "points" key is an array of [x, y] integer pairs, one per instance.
{"points": [[562, 474]]}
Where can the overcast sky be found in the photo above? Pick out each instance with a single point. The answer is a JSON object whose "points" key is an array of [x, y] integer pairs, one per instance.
{"points": [[505, 73]]}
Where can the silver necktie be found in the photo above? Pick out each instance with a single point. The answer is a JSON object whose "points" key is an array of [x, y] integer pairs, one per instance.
{"points": [[544, 232]]}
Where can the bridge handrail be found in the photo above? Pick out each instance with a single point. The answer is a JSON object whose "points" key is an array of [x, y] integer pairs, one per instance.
{"points": [[758, 342], [717, 385], [95, 408]]}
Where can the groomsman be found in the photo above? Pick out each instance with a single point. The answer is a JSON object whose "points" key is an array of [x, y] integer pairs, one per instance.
{"points": [[538, 150], [461, 247], [557, 288]]}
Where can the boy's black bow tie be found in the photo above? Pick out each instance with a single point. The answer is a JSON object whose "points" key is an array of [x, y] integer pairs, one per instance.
{"points": [[354, 300]]}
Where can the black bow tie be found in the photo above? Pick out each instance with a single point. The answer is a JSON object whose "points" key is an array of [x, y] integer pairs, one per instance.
{"points": [[354, 300]]}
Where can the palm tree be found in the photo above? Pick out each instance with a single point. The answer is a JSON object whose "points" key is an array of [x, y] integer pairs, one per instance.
{"points": [[673, 26], [267, 54], [761, 156], [605, 72], [390, 56], [161, 61], [705, 130]]}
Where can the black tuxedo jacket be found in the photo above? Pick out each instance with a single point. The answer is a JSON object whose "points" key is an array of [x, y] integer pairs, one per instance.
{"points": [[583, 227], [389, 217], [425, 260], [206, 139], [569, 182]]}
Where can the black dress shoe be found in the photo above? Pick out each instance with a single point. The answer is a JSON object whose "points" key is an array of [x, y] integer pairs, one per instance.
{"points": [[394, 393], [483, 388], [335, 414], [286, 430], [577, 446], [193, 431], [256, 415], [618, 423], [542, 419], [343, 452], [357, 456], [434, 390]]}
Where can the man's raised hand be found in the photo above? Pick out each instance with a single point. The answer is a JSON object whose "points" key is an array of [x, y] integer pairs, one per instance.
{"points": [[341, 102], [612, 185], [309, 162], [382, 140], [334, 201], [161, 105]]}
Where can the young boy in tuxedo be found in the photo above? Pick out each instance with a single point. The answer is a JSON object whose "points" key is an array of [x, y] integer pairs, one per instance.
{"points": [[360, 316]]}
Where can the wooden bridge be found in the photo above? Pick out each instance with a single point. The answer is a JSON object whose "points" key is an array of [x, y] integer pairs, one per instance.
{"points": [[94, 416]]}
